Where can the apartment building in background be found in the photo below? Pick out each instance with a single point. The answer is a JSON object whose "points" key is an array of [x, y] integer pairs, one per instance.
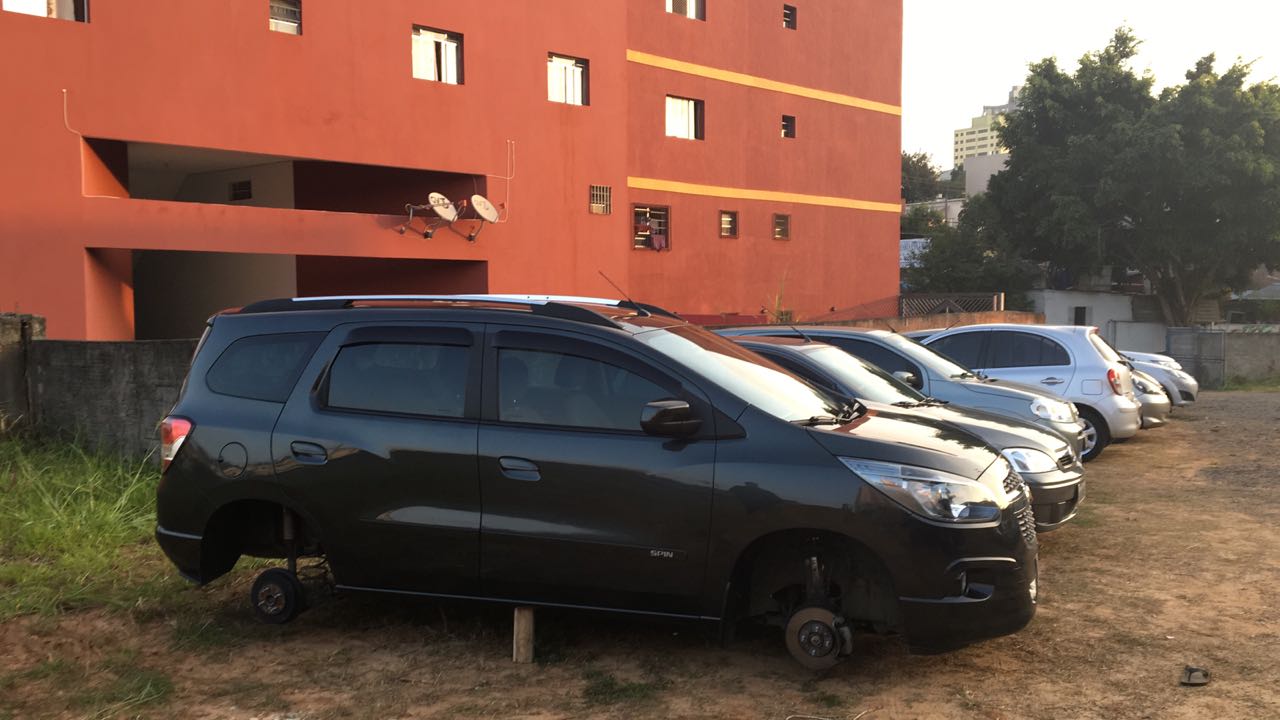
{"points": [[981, 138], [710, 156]]}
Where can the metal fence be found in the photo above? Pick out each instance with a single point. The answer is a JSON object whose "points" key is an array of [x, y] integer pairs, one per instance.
{"points": [[918, 304], [1202, 352]]}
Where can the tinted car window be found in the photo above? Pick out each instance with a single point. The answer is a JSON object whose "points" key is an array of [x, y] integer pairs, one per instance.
{"points": [[262, 367], [549, 388], [964, 348], [1019, 349], [885, 359], [867, 381], [799, 369], [400, 378], [1104, 348]]}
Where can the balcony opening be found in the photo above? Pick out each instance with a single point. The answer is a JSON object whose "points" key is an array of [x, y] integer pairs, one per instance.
{"points": [[175, 291], [77, 10], [285, 16], [150, 171]]}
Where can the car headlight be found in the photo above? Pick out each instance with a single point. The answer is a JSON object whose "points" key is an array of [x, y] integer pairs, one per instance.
{"points": [[1183, 376], [1028, 460], [1171, 364], [933, 494], [1053, 410]]}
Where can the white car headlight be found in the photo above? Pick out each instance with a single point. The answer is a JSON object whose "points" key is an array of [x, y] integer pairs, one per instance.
{"points": [[933, 494], [1053, 410], [1028, 460]]}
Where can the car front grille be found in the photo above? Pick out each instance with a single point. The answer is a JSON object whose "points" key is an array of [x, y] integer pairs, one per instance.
{"points": [[1027, 524], [1013, 483], [1186, 396], [1066, 459]]}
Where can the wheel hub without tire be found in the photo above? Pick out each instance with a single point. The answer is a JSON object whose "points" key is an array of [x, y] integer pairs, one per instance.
{"points": [[271, 599], [816, 637]]}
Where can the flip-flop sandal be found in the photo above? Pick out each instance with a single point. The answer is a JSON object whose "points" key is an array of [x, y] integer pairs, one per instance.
{"points": [[1194, 676]]}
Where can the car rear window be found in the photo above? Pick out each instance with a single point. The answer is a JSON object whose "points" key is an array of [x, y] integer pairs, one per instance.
{"points": [[400, 378], [262, 367], [1107, 352]]}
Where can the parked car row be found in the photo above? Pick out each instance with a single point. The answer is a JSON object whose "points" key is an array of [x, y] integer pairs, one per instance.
{"points": [[606, 455]]}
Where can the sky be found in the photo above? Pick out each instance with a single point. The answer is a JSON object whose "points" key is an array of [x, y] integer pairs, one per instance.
{"points": [[959, 56]]}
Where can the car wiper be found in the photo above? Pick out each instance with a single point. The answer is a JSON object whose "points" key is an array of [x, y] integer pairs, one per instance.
{"points": [[963, 376], [819, 420], [906, 404], [934, 401]]}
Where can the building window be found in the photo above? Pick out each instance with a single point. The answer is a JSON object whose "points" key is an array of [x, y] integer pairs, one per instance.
{"points": [[684, 118], [77, 10], [652, 227], [692, 9], [1080, 315], [437, 55], [567, 80], [781, 227], [601, 200], [728, 223], [241, 190], [286, 16], [788, 126], [789, 17]]}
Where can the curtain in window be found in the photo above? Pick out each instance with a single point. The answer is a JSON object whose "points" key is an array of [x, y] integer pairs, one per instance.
{"points": [[681, 118], [564, 80]]}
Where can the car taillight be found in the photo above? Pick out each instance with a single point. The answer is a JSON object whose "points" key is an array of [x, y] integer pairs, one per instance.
{"points": [[1113, 377], [173, 431]]}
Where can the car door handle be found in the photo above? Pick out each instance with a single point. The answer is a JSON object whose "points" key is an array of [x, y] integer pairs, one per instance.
{"points": [[519, 469], [308, 453], [1052, 381]]}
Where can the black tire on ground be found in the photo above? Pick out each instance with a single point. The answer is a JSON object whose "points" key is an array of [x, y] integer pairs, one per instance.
{"points": [[1097, 427], [814, 639], [277, 596]]}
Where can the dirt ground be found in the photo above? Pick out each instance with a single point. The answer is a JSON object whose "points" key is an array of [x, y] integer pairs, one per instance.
{"points": [[1174, 560]]}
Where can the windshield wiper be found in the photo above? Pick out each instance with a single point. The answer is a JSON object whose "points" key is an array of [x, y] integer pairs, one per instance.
{"points": [[934, 401], [819, 420], [906, 404]]}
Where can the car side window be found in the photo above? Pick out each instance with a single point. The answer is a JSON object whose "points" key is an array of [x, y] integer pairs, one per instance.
{"points": [[1019, 349], [550, 388], [884, 358], [400, 378], [262, 367], [965, 348]]}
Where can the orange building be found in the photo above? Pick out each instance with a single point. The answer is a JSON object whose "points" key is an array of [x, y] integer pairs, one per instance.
{"points": [[162, 160]]}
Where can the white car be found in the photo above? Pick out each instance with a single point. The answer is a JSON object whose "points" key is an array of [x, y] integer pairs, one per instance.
{"points": [[1071, 361], [1181, 387]]}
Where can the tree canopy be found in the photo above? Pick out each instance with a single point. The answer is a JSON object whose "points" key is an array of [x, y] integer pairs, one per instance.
{"points": [[1183, 186], [919, 177]]}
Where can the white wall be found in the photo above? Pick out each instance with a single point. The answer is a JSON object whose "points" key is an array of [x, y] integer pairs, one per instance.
{"points": [[1137, 336], [1102, 307], [978, 172]]}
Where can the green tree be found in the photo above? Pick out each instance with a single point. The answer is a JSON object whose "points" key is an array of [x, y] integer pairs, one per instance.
{"points": [[972, 257], [919, 177], [1184, 186]]}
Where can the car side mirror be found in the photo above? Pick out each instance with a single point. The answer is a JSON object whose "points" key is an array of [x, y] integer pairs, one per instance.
{"points": [[909, 378], [669, 418]]}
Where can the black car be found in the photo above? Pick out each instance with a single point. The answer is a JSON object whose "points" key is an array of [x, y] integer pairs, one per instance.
{"points": [[1042, 457], [581, 453]]}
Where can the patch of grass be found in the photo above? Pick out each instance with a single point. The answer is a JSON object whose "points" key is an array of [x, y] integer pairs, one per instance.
{"points": [[75, 530], [124, 685], [605, 689], [1271, 384]]}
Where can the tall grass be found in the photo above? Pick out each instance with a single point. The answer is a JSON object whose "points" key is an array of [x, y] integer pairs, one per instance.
{"points": [[75, 528]]}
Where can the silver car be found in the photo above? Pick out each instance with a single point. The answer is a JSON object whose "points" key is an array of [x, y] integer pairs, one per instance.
{"points": [[1180, 386], [1151, 396]]}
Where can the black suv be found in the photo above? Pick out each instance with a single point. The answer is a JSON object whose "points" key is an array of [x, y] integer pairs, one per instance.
{"points": [[582, 453]]}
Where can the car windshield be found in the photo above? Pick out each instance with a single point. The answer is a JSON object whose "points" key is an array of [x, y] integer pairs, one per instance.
{"points": [[746, 374], [864, 380], [926, 356]]}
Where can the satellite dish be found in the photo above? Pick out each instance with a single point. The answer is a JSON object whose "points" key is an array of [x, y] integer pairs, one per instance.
{"points": [[444, 208], [484, 208]]}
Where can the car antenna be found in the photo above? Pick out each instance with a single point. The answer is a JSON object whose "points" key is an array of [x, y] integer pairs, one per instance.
{"points": [[622, 292], [802, 334]]}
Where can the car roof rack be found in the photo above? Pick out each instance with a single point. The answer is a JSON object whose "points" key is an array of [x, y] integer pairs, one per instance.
{"points": [[566, 307]]}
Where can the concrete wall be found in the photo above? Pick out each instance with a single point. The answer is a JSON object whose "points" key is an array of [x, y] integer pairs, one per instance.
{"points": [[110, 395], [1252, 356], [940, 322], [1137, 336], [978, 172], [16, 332]]}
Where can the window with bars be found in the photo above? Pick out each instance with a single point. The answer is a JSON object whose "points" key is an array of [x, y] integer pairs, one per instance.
{"points": [[240, 190], [781, 227], [285, 16], [684, 118], [789, 17], [788, 126], [600, 201], [437, 55], [692, 9], [567, 80], [652, 229], [728, 223]]}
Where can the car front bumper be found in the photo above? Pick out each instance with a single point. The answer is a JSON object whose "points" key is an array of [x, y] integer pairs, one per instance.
{"points": [[986, 589], [1056, 496], [1155, 410]]}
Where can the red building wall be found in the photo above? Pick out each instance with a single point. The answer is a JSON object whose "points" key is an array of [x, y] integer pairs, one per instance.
{"points": [[211, 75]]}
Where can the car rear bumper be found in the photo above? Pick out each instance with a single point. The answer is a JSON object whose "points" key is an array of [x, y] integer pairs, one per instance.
{"points": [[1123, 416], [183, 550]]}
